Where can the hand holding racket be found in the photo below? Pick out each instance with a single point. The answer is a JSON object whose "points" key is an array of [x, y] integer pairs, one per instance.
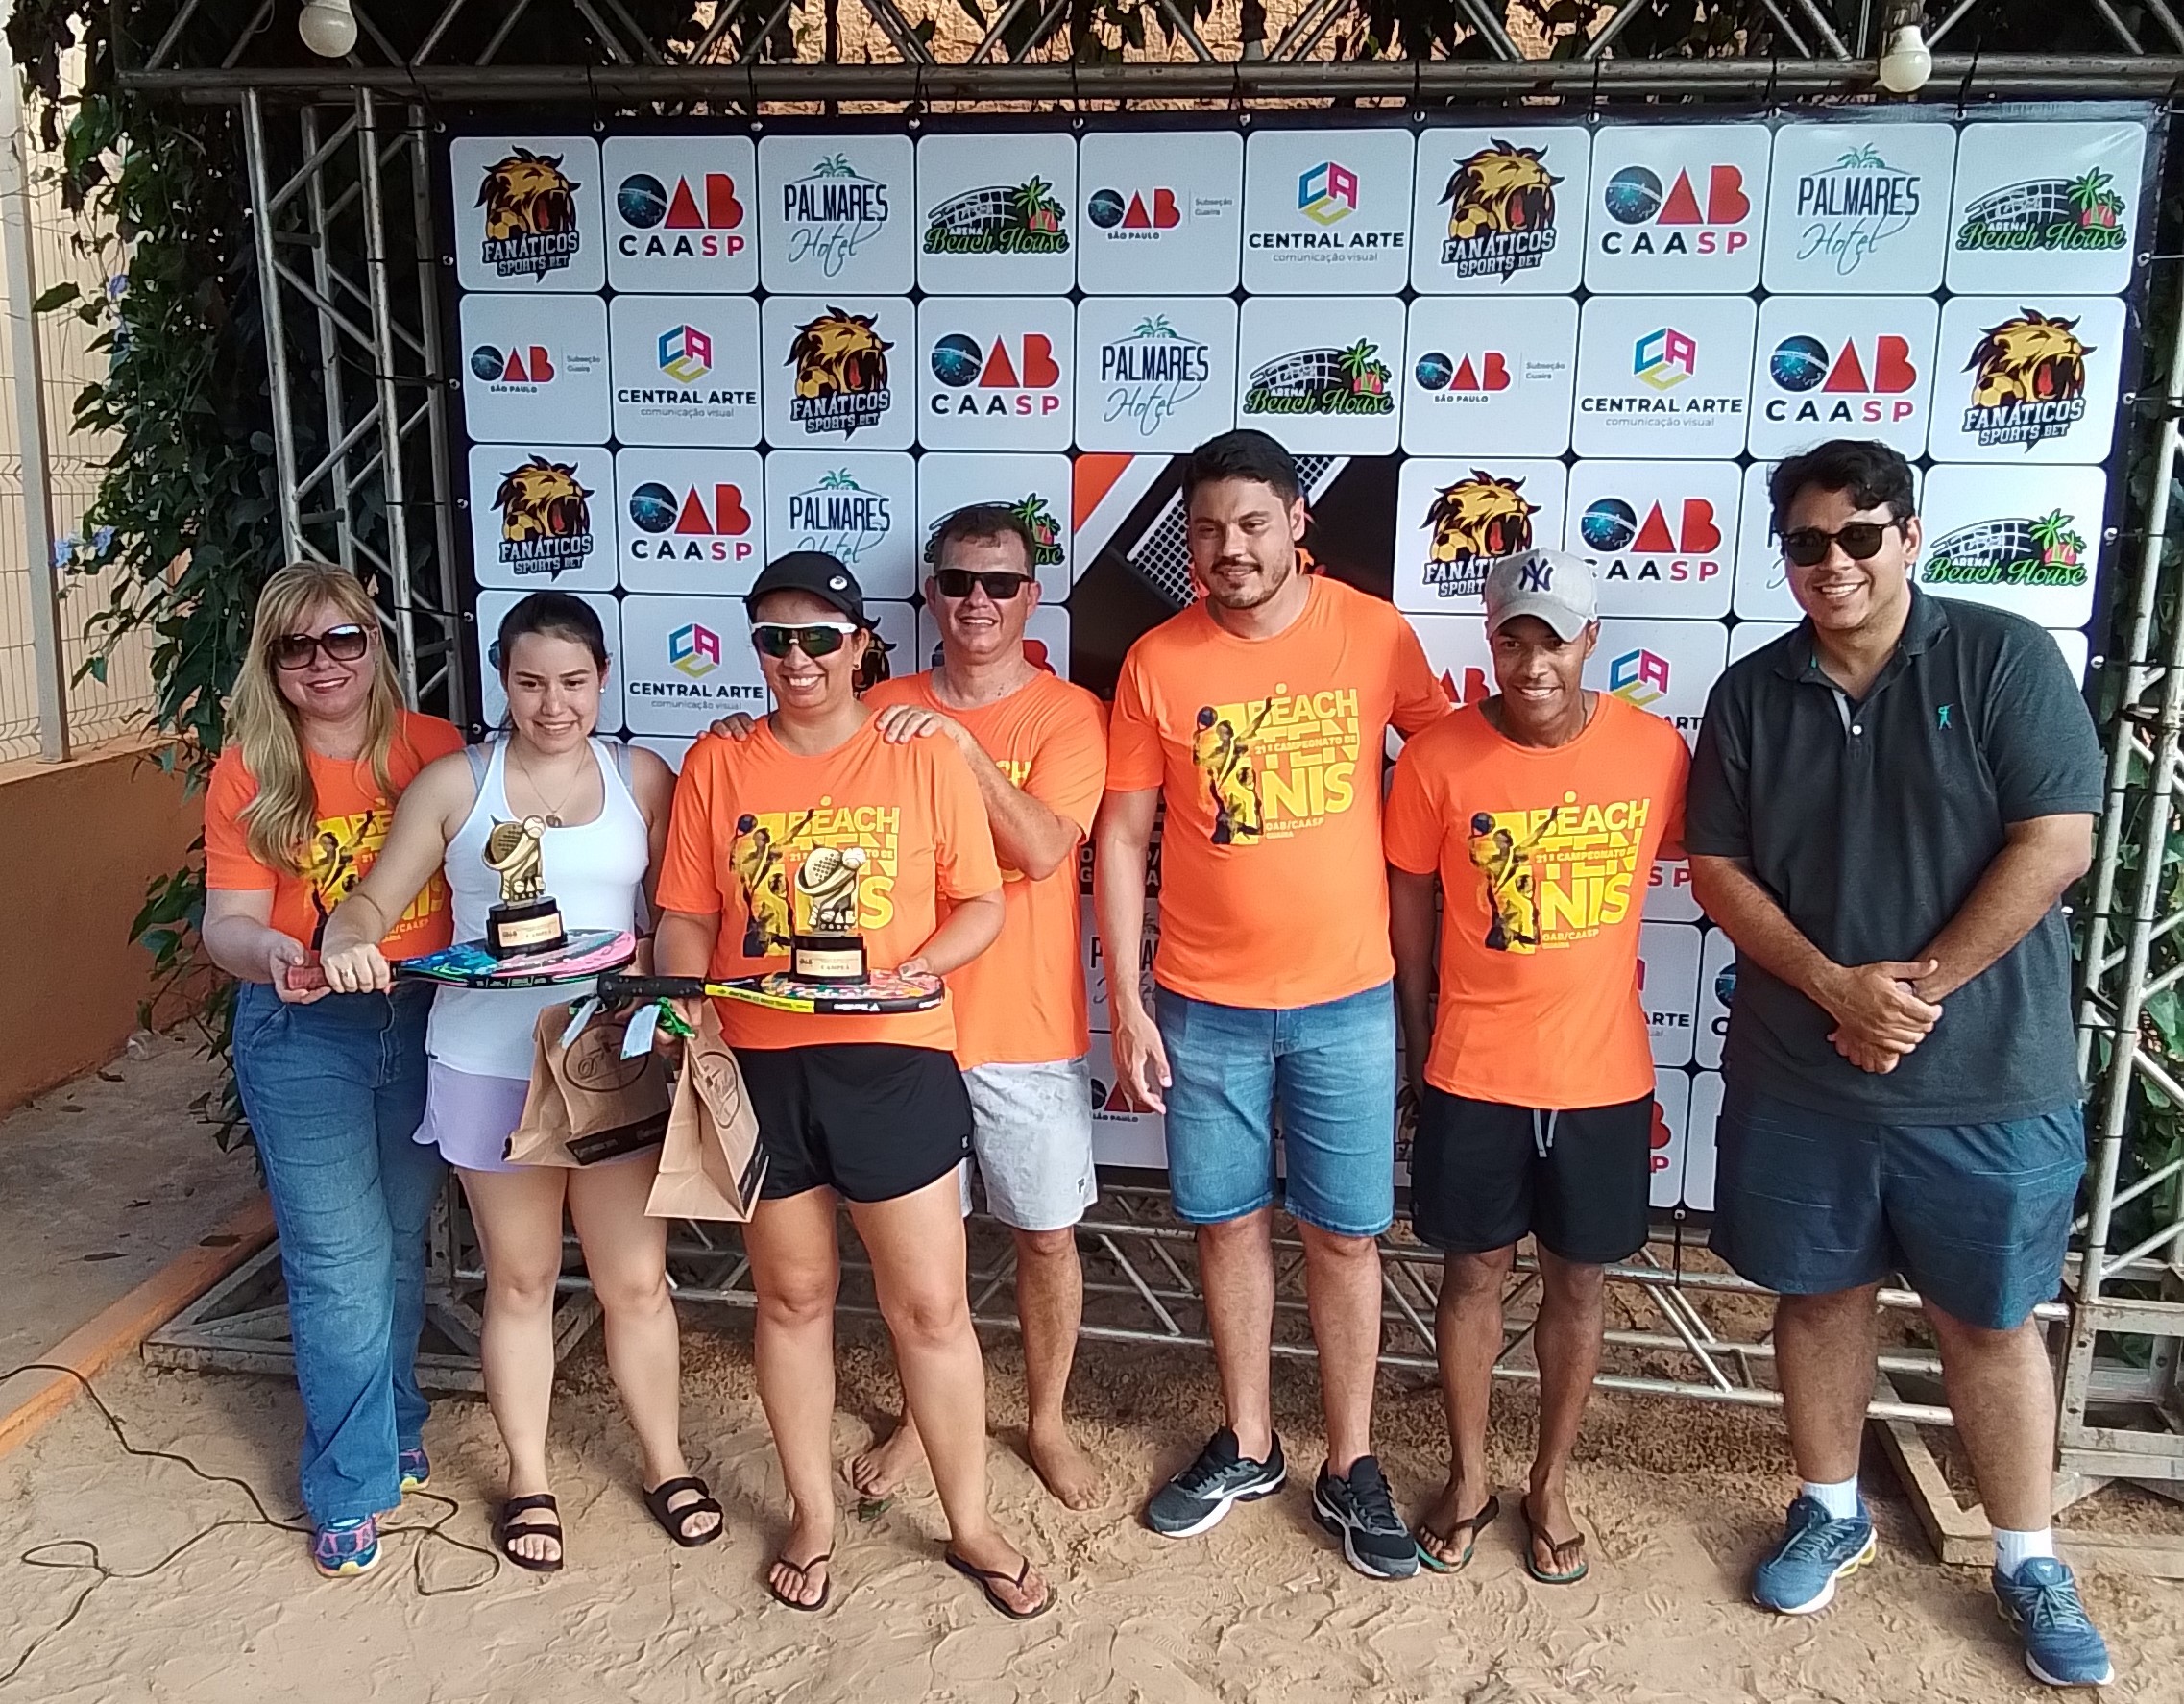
{"points": [[470, 964], [911, 988]]}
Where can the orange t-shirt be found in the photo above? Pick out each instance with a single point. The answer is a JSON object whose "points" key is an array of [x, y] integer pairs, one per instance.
{"points": [[748, 811], [1268, 752], [1544, 856], [354, 816], [1020, 1002]]}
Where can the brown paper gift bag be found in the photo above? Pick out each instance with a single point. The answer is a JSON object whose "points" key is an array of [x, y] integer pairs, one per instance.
{"points": [[713, 1166], [585, 1102]]}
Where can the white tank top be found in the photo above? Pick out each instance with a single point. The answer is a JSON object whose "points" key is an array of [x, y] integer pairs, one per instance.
{"points": [[596, 871]]}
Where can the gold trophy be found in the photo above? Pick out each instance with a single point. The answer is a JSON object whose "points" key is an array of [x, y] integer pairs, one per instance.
{"points": [[825, 944], [528, 919]]}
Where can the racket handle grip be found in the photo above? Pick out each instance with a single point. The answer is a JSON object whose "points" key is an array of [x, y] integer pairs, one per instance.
{"points": [[616, 986], [305, 978]]}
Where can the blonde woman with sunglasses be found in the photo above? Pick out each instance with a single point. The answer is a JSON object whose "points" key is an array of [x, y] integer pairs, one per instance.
{"points": [[297, 808]]}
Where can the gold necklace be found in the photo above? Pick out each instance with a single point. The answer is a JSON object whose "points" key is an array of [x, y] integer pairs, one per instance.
{"points": [[553, 811]]}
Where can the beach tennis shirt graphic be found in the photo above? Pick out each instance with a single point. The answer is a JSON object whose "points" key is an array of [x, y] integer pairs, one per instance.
{"points": [[1277, 766], [826, 870], [531, 227]]}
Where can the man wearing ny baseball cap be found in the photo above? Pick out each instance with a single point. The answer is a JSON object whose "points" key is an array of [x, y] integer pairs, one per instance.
{"points": [[1539, 812]]}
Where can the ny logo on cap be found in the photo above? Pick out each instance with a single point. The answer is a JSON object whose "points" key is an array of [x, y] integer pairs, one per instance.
{"points": [[1538, 576]]}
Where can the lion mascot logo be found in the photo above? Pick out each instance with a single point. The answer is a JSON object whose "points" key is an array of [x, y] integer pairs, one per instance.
{"points": [[840, 353], [1479, 518], [2031, 358], [1500, 189], [526, 195], [543, 499]]}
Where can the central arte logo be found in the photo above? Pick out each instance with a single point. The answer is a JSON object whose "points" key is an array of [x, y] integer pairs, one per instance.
{"points": [[1152, 372], [1849, 212], [2012, 551], [1673, 219], [832, 213], [1000, 219], [531, 216], [694, 650], [1473, 521], [1328, 193], [680, 226], [686, 354], [684, 529], [1351, 381], [1502, 212], [992, 379], [2028, 380], [1638, 678], [841, 516], [841, 372], [2084, 215], [545, 518], [1665, 359]]}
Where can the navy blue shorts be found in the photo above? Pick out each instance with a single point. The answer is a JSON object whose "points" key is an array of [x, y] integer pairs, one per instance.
{"points": [[1977, 1217]]}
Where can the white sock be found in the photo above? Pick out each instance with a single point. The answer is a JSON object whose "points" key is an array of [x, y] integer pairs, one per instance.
{"points": [[2012, 1550], [1839, 1500]]}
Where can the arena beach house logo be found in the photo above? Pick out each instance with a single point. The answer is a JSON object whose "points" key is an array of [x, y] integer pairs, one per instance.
{"points": [[690, 525], [1472, 521], [679, 224], [531, 216], [841, 516], [2083, 213], [1502, 212], [831, 214], [1351, 381], [2028, 380], [1152, 373], [841, 374], [545, 518], [1000, 219], [1849, 211], [2016, 550]]}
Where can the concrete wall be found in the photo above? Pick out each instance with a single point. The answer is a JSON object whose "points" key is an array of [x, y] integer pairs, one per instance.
{"points": [[78, 843]]}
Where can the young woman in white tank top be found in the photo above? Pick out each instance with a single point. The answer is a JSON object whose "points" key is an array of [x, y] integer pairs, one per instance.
{"points": [[606, 811]]}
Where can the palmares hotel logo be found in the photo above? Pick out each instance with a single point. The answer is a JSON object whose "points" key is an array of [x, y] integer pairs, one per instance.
{"points": [[1502, 212], [832, 213], [1351, 381], [2028, 380], [2014, 551], [841, 516], [841, 372], [1846, 213], [1025, 219], [531, 216], [1150, 374], [545, 518], [2082, 212], [1472, 521]]}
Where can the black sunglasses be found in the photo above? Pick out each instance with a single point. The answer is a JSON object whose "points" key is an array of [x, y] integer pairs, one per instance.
{"points": [[1808, 546], [956, 582], [345, 644], [815, 640]]}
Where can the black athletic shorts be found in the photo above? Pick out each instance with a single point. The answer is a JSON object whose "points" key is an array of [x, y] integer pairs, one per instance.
{"points": [[870, 1120], [1483, 1173]]}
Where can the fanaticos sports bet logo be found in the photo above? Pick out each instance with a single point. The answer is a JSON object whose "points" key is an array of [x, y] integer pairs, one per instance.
{"points": [[1152, 373], [531, 216], [1011, 377], [1665, 359], [2015, 551], [2028, 380], [1141, 213], [832, 213], [1846, 386], [1502, 212], [2080, 213], [1025, 219], [1351, 381], [694, 650], [545, 518], [1474, 520], [1039, 521], [1676, 219], [1645, 548], [840, 517], [1638, 678], [841, 372], [690, 525], [1847, 212], [680, 226]]}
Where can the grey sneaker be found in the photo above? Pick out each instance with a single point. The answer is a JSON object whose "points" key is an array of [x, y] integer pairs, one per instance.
{"points": [[1358, 1510], [1196, 1498]]}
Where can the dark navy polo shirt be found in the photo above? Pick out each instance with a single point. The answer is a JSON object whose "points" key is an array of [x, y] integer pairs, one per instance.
{"points": [[1869, 823]]}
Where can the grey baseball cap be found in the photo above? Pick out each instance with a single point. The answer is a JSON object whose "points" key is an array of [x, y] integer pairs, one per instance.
{"points": [[1552, 585]]}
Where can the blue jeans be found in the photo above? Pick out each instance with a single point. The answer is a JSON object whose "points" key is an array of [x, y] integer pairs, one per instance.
{"points": [[334, 1091], [1331, 1068]]}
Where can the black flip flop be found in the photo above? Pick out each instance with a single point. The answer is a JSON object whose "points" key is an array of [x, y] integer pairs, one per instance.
{"points": [[675, 1521], [1477, 1523], [505, 1534], [985, 1576], [802, 1572], [1533, 1533]]}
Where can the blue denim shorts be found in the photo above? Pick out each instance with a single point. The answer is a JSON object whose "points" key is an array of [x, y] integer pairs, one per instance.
{"points": [[1977, 1217], [1331, 1068]]}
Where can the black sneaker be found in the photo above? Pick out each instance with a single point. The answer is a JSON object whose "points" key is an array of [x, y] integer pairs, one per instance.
{"points": [[1203, 1493], [1358, 1511]]}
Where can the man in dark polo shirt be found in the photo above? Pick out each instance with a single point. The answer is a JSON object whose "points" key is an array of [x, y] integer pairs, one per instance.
{"points": [[1885, 808]]}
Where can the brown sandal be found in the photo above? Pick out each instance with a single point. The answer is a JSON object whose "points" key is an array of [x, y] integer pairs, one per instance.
{"points": [[985, 1577], [1557, 1549], [1471, 1529]]}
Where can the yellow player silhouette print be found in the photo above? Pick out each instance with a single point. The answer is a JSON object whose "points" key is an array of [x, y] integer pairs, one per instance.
{"points": [[1222, 757], [1511, 895], [755, 859]]}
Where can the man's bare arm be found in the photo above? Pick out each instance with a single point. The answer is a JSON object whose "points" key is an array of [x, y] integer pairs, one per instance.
{"points": [[2039, 860]]}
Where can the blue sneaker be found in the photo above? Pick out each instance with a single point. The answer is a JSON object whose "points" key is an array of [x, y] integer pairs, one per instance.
{"points": [[2062, 1646], [416, 1469], [343, 1547], [1799, 1579]]}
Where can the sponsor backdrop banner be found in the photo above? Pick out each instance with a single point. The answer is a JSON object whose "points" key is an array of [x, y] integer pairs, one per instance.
{"points": [[681, 352]]}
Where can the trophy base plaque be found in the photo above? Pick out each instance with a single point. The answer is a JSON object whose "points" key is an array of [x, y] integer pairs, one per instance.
{"points": [[532, 927], [828, 958]]}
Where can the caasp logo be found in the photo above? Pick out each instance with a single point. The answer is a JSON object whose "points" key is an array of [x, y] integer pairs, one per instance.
{"points": [[1653, 541], [1678, 217], [1010, 377], [678, 223], [688, 527], [1859, 383]]}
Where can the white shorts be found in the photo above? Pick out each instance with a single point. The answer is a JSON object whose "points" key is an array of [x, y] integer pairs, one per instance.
{"points": [[1032, 1136]]}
